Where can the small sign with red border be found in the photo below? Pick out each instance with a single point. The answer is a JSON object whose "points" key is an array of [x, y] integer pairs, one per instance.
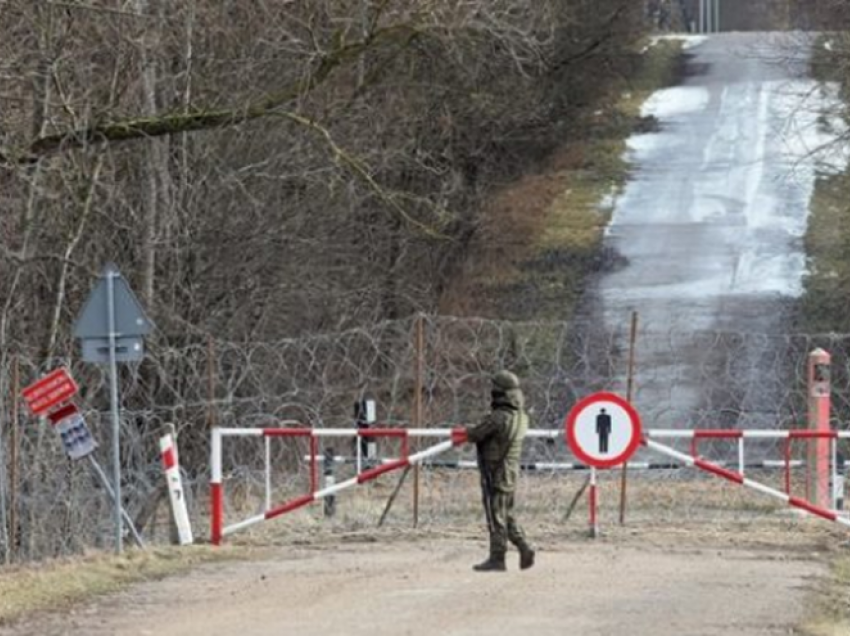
{"points": [[603, 430], [54, 388], [76, 438]]}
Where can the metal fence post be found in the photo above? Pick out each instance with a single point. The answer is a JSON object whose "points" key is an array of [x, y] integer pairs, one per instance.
{"points": [[329, 480]]}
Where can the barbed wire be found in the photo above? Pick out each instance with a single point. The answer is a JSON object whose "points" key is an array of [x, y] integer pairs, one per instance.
{"points": [[423, 371]]}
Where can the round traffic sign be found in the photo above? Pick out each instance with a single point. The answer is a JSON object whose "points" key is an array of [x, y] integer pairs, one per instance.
{"points": [[603, 430]]}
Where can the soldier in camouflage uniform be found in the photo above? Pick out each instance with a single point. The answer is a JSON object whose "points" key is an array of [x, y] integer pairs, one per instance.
{"points": [[499, 438]]}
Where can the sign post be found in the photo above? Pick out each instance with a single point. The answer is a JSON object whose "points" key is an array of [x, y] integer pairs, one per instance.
{"points": [[49, 396], [110, 328], [603, 430]]}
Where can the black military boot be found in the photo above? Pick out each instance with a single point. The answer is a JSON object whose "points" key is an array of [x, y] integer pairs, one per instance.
{"points": [[496, 563], [526, 557]]}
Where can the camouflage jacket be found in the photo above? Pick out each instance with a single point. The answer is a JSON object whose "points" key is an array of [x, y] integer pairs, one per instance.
{"points": [[499, 437]]}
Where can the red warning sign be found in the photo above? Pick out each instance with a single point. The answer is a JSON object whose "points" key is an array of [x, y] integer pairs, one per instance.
{"points": [[54, 388]]}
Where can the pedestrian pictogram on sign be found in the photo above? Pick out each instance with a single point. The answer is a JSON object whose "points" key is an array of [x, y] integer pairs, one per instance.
{"points": [[603, 430], [54, 388]]}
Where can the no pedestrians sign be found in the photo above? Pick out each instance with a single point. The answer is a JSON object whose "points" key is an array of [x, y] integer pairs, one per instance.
{"points": [[603, 430]]}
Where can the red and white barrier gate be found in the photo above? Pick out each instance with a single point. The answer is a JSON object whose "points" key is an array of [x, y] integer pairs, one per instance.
{"points": [[219, 530], [737, 476]]}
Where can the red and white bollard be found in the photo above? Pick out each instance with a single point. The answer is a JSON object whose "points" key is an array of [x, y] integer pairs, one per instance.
{"points": [[176, 494], [819, 452]]}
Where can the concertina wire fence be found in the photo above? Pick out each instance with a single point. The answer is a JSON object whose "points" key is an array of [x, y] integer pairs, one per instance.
{"points": [[51, 506]]}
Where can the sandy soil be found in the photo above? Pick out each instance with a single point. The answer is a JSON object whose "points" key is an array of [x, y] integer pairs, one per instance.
{"points": [[427, 587]]}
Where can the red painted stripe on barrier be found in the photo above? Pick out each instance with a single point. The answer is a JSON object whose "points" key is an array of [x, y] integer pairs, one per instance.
{"points": [[314, 464], [290, 506], [217, 513], [381, 432], [169, 458], [731, 475], [366, 475], [813, 434], [815, 510], [287, 432]]}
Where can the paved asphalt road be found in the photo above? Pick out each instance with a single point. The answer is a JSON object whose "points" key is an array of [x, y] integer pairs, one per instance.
{"points": [[708, 233]]}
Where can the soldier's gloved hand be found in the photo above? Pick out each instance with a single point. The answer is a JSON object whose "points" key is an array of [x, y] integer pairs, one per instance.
{"points": [[459, 436]]}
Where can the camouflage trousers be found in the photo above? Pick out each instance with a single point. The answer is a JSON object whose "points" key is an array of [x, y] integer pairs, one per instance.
{"points": [[501, 522]]}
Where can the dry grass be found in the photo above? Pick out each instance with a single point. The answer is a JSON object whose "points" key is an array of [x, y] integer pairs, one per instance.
{"points": [[61, 583], [539, 237], [830, 615]]}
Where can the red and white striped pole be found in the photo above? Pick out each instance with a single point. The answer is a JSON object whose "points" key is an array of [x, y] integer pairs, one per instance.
{"points": [[176, 494], [818, 469], [216, 494]]}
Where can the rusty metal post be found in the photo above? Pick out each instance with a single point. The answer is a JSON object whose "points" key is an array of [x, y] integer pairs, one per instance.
{"points": [[629, 395], [13, 460], [417, 405]]}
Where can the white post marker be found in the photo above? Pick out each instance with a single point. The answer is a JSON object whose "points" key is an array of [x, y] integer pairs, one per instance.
{"points": [[603, 430], [176, 495]]}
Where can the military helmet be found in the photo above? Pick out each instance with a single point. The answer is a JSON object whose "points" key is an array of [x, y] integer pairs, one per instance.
{"points": [[505, 381]]}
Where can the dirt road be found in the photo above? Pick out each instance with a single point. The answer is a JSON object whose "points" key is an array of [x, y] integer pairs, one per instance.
{"points": [[421, 588]]}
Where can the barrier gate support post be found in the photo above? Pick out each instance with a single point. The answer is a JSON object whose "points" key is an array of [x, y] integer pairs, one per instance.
{"points": [[818, 464]]}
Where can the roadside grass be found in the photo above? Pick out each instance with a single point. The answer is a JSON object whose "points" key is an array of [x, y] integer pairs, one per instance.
{"points": [[830, 613], [541, 236], [57, 585]]}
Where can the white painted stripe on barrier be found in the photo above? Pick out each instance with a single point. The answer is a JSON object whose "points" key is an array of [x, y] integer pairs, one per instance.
{"points": [[779, 463], [430, 452], [240, 432], [551, 465], [267, 442], [767, 490], [335, 488], [334, 432], [842, 520], [668, 432], [215, 460], [741, 464], [665, 450], [766, 434], [243, 524]]}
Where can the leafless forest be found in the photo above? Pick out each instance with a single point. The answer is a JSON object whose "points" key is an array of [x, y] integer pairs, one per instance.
{"points": [[270, 168], [259, 170]]}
